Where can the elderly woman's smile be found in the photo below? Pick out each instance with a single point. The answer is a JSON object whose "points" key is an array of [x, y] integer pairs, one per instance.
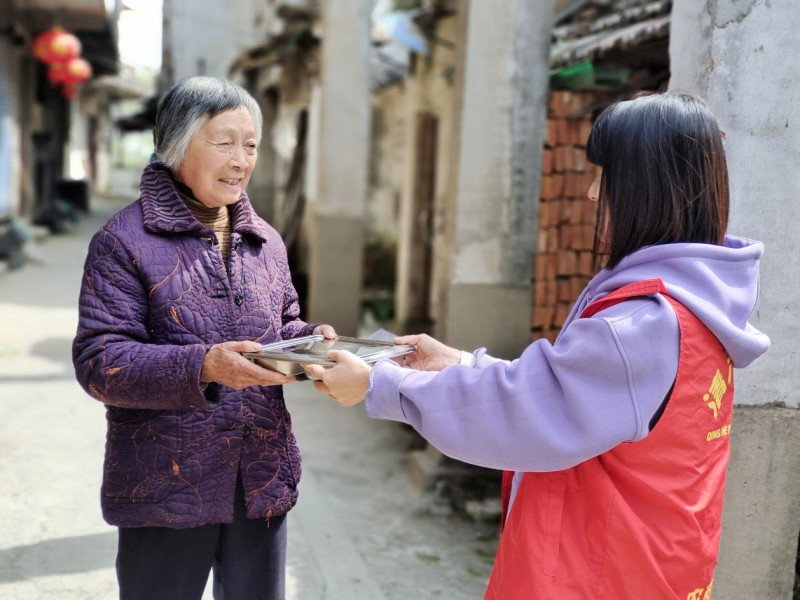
{"points": [[220, 158]]}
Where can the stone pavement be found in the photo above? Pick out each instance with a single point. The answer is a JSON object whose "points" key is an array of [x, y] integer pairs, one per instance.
{"points": [[360, 530]]}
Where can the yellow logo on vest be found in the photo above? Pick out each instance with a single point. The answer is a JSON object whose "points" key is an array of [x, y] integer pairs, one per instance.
{"points": [[713, 399], [717, 389], [701, 593]]}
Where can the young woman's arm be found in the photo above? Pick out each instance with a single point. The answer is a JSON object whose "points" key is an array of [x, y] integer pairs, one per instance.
{"points": [[555, 406]]}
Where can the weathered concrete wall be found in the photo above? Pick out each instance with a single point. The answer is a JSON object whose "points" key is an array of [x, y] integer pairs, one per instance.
{"points": [[337, 170], [9, 132], [734, 53], [390, 133], [429, 90], [502, 121], [762, 506], [204, 37]]}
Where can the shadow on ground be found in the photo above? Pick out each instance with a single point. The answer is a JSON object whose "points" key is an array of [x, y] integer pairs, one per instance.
{"points": [[60, 556]]}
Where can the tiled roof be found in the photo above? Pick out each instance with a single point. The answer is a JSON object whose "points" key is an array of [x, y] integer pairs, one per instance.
{"points": [[590, 29]]}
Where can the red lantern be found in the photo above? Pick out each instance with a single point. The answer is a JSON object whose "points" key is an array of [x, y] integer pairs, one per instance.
{"points": [[76, 70], [41, 45], [57, 73], [56, 45], [69, 91]]}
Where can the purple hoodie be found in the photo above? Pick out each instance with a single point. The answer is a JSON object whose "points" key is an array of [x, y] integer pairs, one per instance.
{"points": [[602, 381]]}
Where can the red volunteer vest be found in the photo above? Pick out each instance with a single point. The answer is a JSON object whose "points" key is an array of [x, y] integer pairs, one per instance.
{"points": [[643, 519]]}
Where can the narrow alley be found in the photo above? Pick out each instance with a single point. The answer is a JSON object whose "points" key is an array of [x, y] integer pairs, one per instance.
{"points": [[361, 531]]}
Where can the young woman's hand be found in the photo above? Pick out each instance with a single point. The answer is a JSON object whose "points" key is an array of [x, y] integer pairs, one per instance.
{"points": [[346, 382], [328, 331], [431, 354], [224, 364]]}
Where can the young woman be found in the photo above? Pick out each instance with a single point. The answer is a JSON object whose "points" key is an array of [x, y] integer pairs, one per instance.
{"points": [[618, 434]]}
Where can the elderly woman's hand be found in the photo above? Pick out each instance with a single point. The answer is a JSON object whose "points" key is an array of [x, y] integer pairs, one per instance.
{"points": [[224, 364], [346, 382]]}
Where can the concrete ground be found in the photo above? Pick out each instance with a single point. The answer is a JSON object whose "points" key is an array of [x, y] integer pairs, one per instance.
{"points": [[360, 531]]}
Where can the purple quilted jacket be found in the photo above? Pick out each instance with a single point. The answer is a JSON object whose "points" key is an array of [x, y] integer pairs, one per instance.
{"points": [[155, 296]]}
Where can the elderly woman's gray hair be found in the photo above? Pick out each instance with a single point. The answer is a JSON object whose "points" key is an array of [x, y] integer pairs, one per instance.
{"points": [[185, 108]]}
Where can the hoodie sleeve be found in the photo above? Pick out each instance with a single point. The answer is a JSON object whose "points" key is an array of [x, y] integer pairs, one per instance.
{"points": [[552, 408], [114, 361]]}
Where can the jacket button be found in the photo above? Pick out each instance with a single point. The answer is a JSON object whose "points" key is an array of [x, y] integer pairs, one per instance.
{"points": [[238, 298], [246, 430]]}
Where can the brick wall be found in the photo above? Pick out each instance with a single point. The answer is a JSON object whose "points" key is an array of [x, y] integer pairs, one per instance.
{"points": [[563, 263]]}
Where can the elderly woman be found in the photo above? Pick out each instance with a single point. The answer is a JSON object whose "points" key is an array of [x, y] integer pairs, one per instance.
{"points": [[201, 465]]}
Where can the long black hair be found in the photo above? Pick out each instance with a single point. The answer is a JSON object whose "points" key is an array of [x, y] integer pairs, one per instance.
{"points": [[664, 177]]}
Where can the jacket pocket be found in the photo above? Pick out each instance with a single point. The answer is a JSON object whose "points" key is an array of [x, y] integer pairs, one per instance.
{"points": [[553, 512], [292, 451], [142, 455]]}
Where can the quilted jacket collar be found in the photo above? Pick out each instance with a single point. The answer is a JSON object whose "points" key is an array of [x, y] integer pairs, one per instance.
{"points": [[165, 212]]}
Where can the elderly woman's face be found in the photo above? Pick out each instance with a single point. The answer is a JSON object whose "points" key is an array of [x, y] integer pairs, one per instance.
{"points": [[220, 158]]}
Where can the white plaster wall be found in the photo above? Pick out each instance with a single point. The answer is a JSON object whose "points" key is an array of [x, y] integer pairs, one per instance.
{"points": [[741, 56], [337, 170], [485, 151], [431, 89], [341, 108], [501, 132], [9, 134], [214, 32], [388, 162]]}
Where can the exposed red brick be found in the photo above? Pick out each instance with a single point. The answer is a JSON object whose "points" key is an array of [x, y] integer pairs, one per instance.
{"points": [[585, 129], [547, 161], [559, 162], [566, 224], [541, 241], [585, 240], [539, 267], [552, 241], [577, 283], [540, 293], [552, 292], [568, 236], [562, 312], [555, 212], [563, 134], [580, 164], [574, 129], [553, 105], [563, 293], [567, 262], [551, 267], [552, 132], [589, 177], [576, 212], [574, 185], [559, 104], [552, 186], [542, 316], [585, 264]]}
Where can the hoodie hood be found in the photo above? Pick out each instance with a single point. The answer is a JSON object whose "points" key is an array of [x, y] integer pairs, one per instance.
{"points": [[719, 284]]}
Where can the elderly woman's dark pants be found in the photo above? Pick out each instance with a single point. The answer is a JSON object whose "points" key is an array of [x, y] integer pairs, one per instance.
{"points": [[248, 557]]}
